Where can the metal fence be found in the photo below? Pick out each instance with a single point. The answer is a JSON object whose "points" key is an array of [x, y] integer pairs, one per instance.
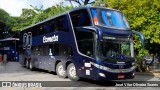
{"points": [[155, 66], [151, 64]]}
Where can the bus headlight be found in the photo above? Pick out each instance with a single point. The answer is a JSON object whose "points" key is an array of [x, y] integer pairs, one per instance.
{"points": [[133, 74], [100, 66], [102, 74], [133, 63]]}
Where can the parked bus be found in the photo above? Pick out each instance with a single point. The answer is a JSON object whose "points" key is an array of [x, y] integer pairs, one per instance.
{"points": [[9, 49], [88, 42]]}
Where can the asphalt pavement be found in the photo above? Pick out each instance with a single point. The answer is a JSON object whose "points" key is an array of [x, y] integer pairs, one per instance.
{"points": [[24, 79]]}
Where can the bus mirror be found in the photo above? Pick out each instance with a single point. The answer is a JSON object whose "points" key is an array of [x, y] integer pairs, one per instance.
{"points": [[141, 37]]}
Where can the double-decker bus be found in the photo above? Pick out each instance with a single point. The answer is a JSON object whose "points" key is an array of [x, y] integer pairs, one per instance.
{"points": [[9, 47], [89, 42]]}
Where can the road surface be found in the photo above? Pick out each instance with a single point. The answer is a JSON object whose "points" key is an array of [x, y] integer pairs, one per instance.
{"points": [[16, 73]]}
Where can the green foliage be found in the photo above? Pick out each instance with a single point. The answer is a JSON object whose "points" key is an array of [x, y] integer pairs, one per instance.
{"points": [[35, 15], [6, 24], [55, 10], [3, 17], [28, 17], [143, 16], [21, 23], [28, 13], [39, 18], [82, 2]]}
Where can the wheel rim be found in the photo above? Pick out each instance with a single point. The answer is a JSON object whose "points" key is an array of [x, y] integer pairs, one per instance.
{"points": [[61, 70], [72, 72], [26, 63], [30, 65]]}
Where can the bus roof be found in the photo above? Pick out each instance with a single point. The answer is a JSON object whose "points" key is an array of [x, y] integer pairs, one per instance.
{"points": [[9, 39], [75, 9], [88, 7]]}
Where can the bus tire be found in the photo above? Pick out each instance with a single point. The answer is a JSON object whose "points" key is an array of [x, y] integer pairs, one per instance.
{"points": [[71, 72], [61, 72], [31, 65], [27, 64]]}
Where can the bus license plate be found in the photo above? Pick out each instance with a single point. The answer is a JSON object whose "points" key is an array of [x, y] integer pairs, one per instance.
{"points": [[120, 76]]}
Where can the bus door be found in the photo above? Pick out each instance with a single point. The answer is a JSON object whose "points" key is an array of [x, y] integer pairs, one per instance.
{"points": [[86, 41]]}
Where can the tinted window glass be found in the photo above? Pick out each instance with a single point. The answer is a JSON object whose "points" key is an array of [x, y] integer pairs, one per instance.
{"points": [[60, 24], [80, 18], [60, 50], [41, 29], [34, 31], [53, 25], [86, 47], [86, 44], [35, 50], [43, 50], [48, 28], [109, 18]]}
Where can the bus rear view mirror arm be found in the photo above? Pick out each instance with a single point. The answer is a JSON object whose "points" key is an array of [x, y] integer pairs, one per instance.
{"points": [[140, 35], [90, 28]]}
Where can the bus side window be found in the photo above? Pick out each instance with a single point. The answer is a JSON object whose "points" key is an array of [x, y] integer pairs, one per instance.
{"points": [[80, 18], [43, 50], [35, 50], [50, 50], [57, 24], [62, 24], [48, 28], [53, 26], [34, 31], [64, 50], [65, 24], [56, 49], [86, 47], [41, 29]]}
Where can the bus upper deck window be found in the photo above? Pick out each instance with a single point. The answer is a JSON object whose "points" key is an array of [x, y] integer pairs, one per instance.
{"points": [[80, 18]]}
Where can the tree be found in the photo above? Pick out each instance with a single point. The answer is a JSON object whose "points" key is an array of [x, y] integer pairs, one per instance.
{"points": [[6, 24], [3, 17], [10, 25], [35, 15], [143, 16], [39, 18], [21, 23], [28, 13], [28, 17], [82, 2]]}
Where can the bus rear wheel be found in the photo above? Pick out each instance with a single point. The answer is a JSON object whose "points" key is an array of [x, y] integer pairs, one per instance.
{"points": [[61, 72], [71, 72]]}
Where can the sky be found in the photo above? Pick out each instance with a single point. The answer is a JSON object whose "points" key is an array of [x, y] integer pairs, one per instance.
{"points": [[14, 7]]}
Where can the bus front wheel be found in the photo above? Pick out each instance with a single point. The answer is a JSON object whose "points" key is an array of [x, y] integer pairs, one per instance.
{"points": [[71, 72], [61, 72]]}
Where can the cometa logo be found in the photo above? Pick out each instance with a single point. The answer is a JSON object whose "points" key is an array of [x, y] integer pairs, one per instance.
{"points": [[50, 39]]}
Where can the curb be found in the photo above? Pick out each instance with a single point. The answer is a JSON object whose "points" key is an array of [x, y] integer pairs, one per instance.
{"points": [[148, 73]]}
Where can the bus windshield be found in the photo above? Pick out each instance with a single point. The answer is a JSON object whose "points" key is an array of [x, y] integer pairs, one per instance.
{"points": [[115, 48], [109, 18]]}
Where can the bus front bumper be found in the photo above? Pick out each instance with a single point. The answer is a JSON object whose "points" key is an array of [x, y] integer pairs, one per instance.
{"points": [[103, 76]]}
